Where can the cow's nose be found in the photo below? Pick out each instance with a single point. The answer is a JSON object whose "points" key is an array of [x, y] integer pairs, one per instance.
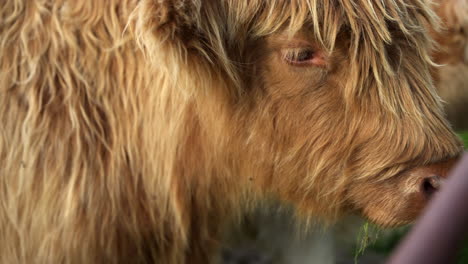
{"points": [[431, 184]]}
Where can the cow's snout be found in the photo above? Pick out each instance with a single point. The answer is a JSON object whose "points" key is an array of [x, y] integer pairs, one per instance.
{"points": [[415, 186]]}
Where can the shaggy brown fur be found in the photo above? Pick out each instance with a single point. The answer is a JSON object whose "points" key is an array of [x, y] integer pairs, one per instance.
{"points": [[452, 76], [114, 154]]}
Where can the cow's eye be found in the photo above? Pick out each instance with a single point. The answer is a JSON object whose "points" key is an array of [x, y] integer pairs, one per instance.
{"points": [[299, 57]]}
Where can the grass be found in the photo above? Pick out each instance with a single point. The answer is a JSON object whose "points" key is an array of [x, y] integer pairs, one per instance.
{"points": [[371, 238], [464, 136], [368, 235]]}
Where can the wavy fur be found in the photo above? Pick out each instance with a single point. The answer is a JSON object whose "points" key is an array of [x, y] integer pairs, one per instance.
{"points": [[130, 135]]}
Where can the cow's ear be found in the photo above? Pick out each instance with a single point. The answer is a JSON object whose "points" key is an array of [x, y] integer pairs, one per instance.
{"points": [[180, 28], [169, 19], [186, 38], [166, 30]]}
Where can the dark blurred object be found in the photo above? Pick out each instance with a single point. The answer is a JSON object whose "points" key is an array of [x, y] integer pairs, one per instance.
{"points": [[245, 256], [451, 78], [437, 236]]}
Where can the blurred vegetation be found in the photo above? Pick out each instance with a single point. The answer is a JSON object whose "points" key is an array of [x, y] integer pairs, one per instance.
{"points": [[370, 238], [464, 136]]}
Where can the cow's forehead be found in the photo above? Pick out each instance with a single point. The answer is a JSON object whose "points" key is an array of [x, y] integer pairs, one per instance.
{"points": [[372, 26], [365, 18]]}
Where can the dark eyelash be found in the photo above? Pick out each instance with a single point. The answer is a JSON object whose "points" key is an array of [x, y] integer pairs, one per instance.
{"points": [[298, 56]]}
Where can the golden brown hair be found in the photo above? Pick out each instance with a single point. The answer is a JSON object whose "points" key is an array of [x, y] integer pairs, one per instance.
{"points": [[131, 131]]}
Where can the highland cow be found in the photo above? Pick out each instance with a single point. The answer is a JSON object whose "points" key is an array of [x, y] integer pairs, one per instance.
{"points": [[135, 131], [265, 235]]}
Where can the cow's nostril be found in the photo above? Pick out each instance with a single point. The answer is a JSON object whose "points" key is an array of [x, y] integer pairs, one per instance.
{"points": [[431, 184]]}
